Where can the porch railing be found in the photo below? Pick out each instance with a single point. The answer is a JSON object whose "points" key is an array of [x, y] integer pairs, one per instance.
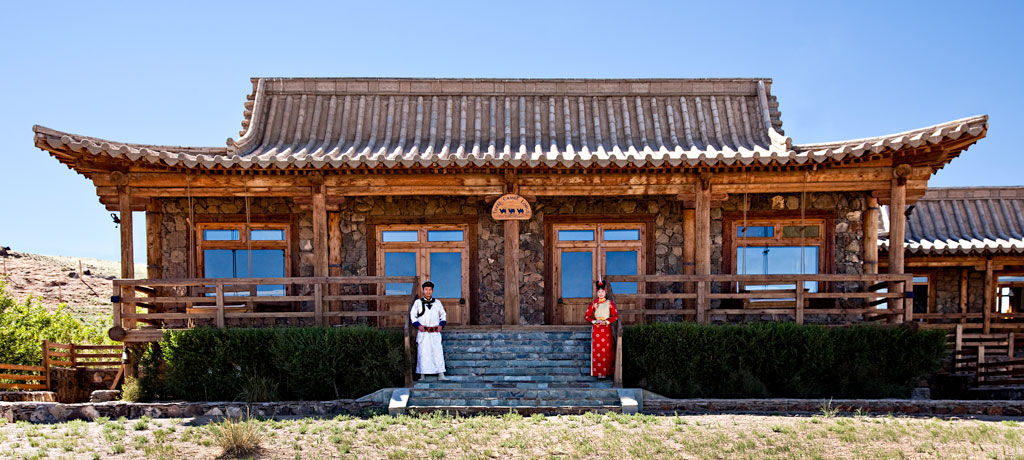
{"points": [[144, 308], [697, 293]]}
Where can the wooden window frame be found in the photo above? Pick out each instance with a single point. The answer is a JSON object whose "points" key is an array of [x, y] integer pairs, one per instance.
{"points": [[471, 236], [825, 241], [552, 315], [243, 242], [930, 285]]}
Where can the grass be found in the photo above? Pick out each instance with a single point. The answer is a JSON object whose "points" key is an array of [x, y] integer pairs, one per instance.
{"points": [[828, 435]]}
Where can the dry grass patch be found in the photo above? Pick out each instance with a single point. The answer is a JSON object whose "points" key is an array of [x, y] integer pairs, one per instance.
{"points": [[590, 436]]}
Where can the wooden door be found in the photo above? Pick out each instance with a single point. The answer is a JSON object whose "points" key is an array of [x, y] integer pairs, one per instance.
{"points": [[585, 252], [439, 253]]}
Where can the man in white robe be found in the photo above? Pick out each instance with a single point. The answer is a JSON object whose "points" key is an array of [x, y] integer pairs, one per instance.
{"points": [[428, 316]]}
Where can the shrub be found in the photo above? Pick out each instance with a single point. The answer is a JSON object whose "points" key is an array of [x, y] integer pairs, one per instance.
{"points": [[238, 437], [689, 360], [131, 390], [26, 324], [271, 363]]}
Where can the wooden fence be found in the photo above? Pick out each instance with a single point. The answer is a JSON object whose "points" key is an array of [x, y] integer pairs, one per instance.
{"points": [[183, 303], [71, 355], [771, 295]]}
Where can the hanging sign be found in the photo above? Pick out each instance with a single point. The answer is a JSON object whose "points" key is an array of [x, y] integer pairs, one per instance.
{"points": [[511, 207]]}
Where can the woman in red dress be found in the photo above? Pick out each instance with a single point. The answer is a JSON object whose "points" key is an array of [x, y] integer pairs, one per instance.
{"points": [[601, 313]]}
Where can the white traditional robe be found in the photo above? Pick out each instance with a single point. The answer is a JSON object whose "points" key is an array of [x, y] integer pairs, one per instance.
{"points": [[429, 356]]}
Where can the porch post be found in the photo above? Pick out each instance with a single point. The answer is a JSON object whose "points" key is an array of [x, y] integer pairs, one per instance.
{"points": [[870, 224], [702, 240], [320, 249], [689, 262], [512, 272], [897, 233], [989, 307], [124, 204]]}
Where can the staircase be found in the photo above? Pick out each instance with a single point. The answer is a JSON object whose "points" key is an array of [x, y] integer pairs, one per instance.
{"points": [[529, 370]]}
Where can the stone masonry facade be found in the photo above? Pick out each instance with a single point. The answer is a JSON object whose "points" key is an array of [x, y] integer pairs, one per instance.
{"points": [[356, 212]]}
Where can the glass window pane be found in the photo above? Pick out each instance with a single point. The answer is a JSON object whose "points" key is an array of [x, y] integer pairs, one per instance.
{"points": [[399, 264], [621, 263], [218, 263], [576, 235], [1011, 279], [399, 236], [446, 273], [268, 263], [577, 274], [778, 260], [921, 279], [267, 235], [763, 231], [793, 231], [921, 299], [622, 235], [220, 235], [444, 235]]}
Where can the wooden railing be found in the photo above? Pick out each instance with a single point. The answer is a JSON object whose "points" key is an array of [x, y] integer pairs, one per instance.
{"points": [[185, 303], [697, 292], [70, 355]]}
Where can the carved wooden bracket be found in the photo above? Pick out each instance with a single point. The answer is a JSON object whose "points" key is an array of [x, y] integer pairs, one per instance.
{"points": [[118, 178], [315, 178]]}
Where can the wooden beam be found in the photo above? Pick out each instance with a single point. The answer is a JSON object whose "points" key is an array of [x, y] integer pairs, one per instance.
{"points": [[870, 224], [689, 250], [512, 272]]}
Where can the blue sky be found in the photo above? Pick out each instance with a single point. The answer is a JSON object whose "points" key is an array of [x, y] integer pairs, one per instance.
{"points": [[177, 73]]}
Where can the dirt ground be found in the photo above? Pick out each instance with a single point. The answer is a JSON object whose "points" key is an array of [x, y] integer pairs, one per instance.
{"points": [[589, 436], [56, 280]]}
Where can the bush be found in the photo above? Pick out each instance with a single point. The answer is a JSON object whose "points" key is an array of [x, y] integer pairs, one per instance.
{"points": [[686, 360], [26, 324], [238, 437], [309, 363]]}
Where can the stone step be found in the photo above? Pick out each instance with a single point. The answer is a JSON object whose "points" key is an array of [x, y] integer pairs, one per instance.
{"points": [[503, 378], [486, 370], [515, 393], [502, 363], [516, 335], [459, 356], [514, 342], [501, 402], [514, 384], [464, 348], [465, 411]]}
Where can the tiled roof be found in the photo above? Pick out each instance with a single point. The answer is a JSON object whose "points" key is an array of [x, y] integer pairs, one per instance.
{"points": [[359, 122], [970, 220]]}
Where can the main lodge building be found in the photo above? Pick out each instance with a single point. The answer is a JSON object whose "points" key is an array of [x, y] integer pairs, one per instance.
{"points": [[341, 194]]}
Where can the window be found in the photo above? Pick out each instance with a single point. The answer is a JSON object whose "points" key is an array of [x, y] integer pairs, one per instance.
{"points": [[237, 250], [436, 252], [922, 300], [778, 247], [582, 252], [1011, 288]]}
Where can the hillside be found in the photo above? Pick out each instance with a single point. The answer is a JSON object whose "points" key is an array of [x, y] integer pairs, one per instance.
{"points": [[55, 279]]}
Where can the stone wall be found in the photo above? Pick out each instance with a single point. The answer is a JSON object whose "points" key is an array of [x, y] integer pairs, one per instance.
{"points": [[667, 255], [946, 282]]}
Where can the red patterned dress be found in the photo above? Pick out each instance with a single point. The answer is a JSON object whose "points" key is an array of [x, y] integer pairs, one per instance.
{"points": [[602, 355]]}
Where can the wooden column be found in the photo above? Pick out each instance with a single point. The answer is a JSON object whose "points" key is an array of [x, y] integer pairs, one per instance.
{"points": [[989, 307], [870, 223], [689, 250], [320, 249], [511, 272], [702, 241], [963, 295], [897, 234], [124, 204], [334, 258]]}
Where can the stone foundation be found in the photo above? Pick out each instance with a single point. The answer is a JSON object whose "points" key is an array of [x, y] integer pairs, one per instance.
{"points": [[940, 408], [36, 412]]}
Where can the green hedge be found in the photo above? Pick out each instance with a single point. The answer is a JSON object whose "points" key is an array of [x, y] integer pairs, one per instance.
{"points": [[685, 360], [298, 363]]}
